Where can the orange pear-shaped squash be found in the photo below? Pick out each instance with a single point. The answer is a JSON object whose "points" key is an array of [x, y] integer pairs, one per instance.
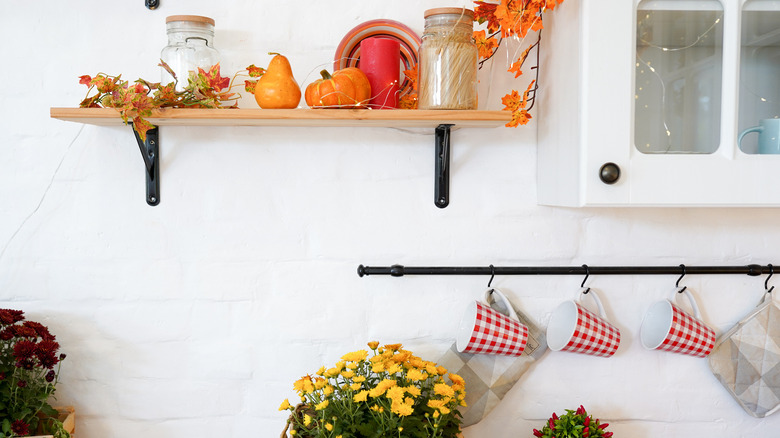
{"points": [[277, 87]]}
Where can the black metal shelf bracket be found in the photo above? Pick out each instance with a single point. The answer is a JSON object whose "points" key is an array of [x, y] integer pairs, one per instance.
{"points": [[400, 270], [442, 175], [150, 152]]}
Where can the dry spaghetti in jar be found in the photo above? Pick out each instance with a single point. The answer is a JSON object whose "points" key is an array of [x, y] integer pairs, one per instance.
{"points": [[447, 70]]}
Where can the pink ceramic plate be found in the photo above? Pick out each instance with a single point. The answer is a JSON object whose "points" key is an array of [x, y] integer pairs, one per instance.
{"points": [[348, 51]]}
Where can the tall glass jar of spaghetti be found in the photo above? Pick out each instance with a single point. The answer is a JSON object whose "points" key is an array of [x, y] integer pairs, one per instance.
{"points": [[447, 70]]}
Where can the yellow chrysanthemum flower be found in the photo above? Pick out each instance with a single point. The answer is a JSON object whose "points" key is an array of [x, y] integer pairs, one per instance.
{"points": [[361, 396], [320, 383], [416, 362], [321, 406], [348, 374], [355, 356], [332, 372], [431, 369], [378, 368], [329, 427], [443, 389], [359, 379], [396, 394], [393, 347], [381, 387], [415, 375], [373, 344], [306, 419], [456, 379], [321, 371], [435, 404], [354, 386], [402, 409], [328, 390], [285, 405], [441, 370], [394, 368], [413, 391], [304, 385]]}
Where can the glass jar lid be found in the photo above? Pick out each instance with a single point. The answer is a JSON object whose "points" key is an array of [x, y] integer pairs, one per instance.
{"points": [[455, 11], [192, 18]]}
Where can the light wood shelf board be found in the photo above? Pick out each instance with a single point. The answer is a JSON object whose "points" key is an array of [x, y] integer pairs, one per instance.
{"points": [[294, 117]]}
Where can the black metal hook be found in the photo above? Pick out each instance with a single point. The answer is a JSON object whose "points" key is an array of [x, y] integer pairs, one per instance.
{"points": [[492, 275], [677, 284], [587, 274], [766, 282]]}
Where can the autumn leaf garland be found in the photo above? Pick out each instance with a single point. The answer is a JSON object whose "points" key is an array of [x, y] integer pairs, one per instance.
{"points": [[512, 19], [204, 89]]}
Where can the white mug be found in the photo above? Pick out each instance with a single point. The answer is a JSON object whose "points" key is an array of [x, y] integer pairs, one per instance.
{"points": [[484, 330], [666, 327], [575, 329]]}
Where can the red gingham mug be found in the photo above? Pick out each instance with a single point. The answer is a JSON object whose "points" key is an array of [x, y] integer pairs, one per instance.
{"points": [[484, 330], [666, 327], [575, 329]]}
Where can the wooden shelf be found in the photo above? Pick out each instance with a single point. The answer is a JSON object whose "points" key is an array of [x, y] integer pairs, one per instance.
{"points": [[295, 117], [440, 121]]}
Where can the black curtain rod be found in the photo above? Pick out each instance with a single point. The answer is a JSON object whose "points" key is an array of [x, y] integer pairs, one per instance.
{"points": [[400, 271]]}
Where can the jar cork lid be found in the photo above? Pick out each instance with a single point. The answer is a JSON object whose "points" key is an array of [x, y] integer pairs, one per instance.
{"points": [[458, 11], [195, 18]]}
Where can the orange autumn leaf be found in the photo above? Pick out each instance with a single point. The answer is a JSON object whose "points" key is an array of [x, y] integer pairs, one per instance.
{"points": [[486, 12], [486, 46], [520, 117], [409, 100], [518, 64]]}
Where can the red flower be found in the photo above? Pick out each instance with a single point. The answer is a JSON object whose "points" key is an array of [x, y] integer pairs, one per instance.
{"points": [[537, 433], [50, 376], [21, 383], [25, 332], [19, 427], [7, 334], [46, 351], [11, 316], [40, 329], [24, 350]]}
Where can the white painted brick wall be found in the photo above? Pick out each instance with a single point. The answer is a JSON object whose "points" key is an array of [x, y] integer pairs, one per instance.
{"points": [[193, 318]]}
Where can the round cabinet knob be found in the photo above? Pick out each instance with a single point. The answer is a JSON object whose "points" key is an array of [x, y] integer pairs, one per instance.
{"points": [[609, 173]]}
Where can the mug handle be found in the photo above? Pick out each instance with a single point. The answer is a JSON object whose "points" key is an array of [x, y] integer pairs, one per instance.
{"points": [[490, 291], [691, 300], [588, 291], [758, 129]]}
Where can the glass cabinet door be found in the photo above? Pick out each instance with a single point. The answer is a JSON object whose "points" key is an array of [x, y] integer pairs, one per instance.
{"points": [[759, 78], [678, 76]]}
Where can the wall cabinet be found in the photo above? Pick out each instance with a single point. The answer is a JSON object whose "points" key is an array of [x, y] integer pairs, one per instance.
{"points": [[661, 91]]}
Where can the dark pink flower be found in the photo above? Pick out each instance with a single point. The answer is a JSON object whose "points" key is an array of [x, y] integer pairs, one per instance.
{"points": [[40, 329], [19, 427], [46, 351], [21, 383], [24, 350], [10, 316], [50, 376]]}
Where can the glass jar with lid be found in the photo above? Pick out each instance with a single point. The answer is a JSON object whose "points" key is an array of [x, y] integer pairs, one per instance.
{"points": [[190, 45], [448, 60]]}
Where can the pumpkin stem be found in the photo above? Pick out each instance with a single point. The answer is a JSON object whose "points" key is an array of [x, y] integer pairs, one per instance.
{"points": [[326, 75], [274, 53]]}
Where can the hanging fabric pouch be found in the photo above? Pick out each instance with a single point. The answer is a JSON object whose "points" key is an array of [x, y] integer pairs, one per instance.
{"points": [[746, 359], [489, 377]]}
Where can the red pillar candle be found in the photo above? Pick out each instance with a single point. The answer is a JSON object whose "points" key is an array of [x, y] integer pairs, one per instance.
{"points": [[380, 60]]}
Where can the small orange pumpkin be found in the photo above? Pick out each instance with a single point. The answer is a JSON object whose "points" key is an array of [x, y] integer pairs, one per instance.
{"points": [[348, 87]]}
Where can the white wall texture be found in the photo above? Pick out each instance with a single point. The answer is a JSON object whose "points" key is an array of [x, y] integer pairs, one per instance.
{"points": [[193, 318]]}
